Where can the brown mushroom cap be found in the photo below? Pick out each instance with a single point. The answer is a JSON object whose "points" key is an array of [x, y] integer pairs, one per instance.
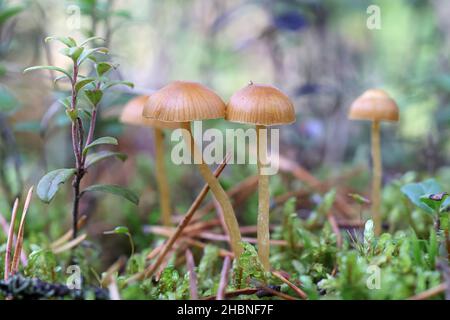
{"points": [[260, 105], [132, 114], [374, 105], [184, 102]]}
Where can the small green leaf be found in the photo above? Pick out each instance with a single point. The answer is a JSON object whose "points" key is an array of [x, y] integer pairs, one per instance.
{"points": [[65, 102], [73, 52], [72, 113], [6, 14], [91, 39], [94, 96], [49, 184], [58, 69], [103, 67], [117, 83], [434, 200], [100, 141], [68, 41], [116, 190], [414, 192], [93, 158], [89, 52], [82, 83]]}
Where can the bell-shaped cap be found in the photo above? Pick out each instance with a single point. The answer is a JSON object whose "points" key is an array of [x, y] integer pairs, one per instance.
{"points": [[183, 101], [260, 105], [374, 105], [132, 114]]}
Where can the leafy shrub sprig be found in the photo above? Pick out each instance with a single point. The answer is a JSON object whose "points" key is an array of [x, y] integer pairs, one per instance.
{"points": [[92, 88]]}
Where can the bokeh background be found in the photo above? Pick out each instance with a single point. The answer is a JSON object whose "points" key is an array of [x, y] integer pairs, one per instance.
{"points": [[320, 52]]}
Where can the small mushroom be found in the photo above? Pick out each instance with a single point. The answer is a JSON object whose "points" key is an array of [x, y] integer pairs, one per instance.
{"points": [[375, 105], [132, 114], [183, 102], [261, 105]]}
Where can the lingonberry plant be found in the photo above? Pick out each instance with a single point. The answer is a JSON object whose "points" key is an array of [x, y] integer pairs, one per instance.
{"points": [[82, 106]]}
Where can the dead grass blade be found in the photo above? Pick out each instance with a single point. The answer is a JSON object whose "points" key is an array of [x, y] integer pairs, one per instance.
{"points": [[192, 275], [71, 244], [68, 235], [224, 275], [429, 293], [20, 233], [296, 289], [10, 240]]}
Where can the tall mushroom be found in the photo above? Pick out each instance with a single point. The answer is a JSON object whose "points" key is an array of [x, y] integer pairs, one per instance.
{"points": [[184, 102], [375, 105], [132, 114], [261, 105]]}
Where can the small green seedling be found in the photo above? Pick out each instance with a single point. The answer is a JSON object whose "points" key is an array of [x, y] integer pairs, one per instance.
{"points": [[429, 196], [125, 231], [82, 106]]}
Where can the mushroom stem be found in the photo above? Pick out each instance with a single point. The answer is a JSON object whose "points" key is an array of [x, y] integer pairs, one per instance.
{"points": [[377, 174], [263, 232], [161, 178], [219, 193]]}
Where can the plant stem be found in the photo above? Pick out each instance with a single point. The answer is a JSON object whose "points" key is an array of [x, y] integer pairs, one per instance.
{"points": [[76, 202], [376, 179], [218, 191], [263, 232], [161, 178], [77, 145]]}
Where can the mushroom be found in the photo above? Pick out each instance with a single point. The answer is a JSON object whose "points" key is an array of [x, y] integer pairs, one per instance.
{"points": [[261, 105], [375, 105], [183, 102], [132, 114]]}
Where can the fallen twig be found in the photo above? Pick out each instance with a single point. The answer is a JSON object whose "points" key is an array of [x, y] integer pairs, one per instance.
{"points": [[429, 293], [220, 237], [71, 244], [192, 275], [224, 279], [296, 289], [187, 218], [300, 173], [235, 293], [115, 267], [68, 235], [222, 252], [277, 293]]}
